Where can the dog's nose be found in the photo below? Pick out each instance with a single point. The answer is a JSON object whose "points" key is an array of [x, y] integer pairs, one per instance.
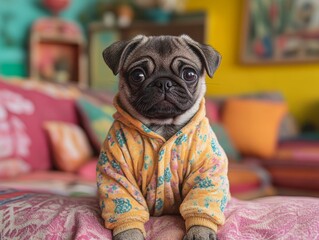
{"points": [[164, 84]]}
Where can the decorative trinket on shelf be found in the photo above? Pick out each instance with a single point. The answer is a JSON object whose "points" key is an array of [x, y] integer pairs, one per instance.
{"points": [[56, 6]]}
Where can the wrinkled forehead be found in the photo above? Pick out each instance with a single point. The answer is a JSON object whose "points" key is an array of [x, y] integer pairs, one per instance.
{"points": [[163, 49]]}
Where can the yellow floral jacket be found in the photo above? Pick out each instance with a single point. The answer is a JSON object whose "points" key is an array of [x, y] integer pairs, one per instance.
{"points": [[139, 174]]}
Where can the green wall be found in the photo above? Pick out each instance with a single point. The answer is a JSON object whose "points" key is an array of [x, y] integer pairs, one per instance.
{"points": [[15, 31]]}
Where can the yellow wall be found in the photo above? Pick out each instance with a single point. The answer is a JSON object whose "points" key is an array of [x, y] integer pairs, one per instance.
{"points": [[298, 83]]}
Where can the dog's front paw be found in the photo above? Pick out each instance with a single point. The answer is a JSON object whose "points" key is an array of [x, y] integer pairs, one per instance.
{"points": [[200, 233], [132, 234]]}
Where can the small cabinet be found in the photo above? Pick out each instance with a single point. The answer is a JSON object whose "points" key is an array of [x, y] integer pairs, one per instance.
{"points": [[57, 52]]}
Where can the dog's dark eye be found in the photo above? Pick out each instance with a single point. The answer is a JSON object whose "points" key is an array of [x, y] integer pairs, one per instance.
{"points": [[189, 74], [138, 75]]}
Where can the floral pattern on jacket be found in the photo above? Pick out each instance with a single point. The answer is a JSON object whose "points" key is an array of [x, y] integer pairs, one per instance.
{"points": [[141, 174]]}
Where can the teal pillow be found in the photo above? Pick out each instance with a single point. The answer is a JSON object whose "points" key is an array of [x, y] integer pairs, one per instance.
{"points": [[97, 119], [225, 142]]}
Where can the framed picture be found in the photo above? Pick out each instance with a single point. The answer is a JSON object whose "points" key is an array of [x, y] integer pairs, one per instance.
{"points": [[280, 31], [57, 52]]}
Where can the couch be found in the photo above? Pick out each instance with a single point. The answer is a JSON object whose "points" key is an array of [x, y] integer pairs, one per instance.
{"points": [[51, 135], [49, 141], [264, 132]]}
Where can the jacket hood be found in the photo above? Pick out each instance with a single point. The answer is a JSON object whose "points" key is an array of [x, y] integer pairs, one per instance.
{"points": [[126, 119]]}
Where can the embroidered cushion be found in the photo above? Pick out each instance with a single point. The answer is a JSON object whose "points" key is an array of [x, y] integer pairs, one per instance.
{"points": [[69, 144], [97, 119], [22, 114], [13, 167]]}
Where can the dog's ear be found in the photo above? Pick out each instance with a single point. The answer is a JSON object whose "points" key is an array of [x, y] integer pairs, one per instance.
{"points": [[115, 54], [208, 55]]}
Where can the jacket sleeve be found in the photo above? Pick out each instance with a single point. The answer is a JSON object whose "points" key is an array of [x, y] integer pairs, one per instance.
{"points": [[206, 188], [121, 201]]}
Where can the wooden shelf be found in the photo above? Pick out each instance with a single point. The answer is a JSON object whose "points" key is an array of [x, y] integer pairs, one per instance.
{"points": [[101, 36]]}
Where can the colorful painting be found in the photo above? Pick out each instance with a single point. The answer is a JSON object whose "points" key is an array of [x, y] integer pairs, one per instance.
{"points": [[280, 31]]}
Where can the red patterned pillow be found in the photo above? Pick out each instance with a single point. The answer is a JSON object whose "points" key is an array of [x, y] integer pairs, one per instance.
{"points": [[13, 167], [22, 114]]}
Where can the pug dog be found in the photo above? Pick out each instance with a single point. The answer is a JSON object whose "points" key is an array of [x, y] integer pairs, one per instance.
{"points": [[161, 91]]}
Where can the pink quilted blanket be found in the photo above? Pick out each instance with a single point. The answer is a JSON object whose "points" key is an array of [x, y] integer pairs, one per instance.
{"points": [[45, 216]]}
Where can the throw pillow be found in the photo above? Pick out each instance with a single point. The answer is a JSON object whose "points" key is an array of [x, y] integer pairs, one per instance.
{"points": [[212, 111], [22, 114], [253, 125], [288, 129], [88, 170], [97, 119], [288, 126], [244, 179], [225, 141], [13, 167], [69, 144]]}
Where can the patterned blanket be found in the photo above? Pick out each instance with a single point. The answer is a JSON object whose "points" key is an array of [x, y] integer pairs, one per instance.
{"points": [[26, 215]]}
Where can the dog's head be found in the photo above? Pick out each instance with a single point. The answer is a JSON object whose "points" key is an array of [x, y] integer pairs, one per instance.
{"points": [[161, 77]]}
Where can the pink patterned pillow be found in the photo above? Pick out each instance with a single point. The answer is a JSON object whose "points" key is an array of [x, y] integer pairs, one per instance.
{"points": [[22, 114], [13, 167]]}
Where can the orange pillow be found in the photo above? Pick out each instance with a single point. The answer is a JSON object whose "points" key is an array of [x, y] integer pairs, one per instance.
{"points": [[253, 125], [243, 179], [69, 144]]}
